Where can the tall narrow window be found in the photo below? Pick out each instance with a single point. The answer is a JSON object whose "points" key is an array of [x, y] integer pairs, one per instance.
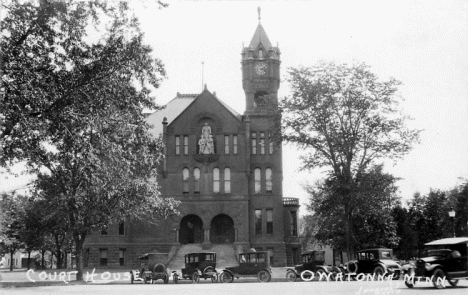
{"points": [[258, 222], [216, 180], [270, 143], [196, 179], [177, 145], [234, 144], [254, 143], [121, 228], [227, 180], [293, 223], [103, 257], [122, 257], [257, 180], [185, 145], [262, 143], [226, 144], [268, 181], [185, 178], [269, 221]]}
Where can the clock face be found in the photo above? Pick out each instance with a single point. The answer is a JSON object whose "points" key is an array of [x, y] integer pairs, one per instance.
{"points": [[261, 68]]}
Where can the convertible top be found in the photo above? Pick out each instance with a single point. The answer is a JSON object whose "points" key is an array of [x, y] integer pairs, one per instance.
{"points": [[448, 241]]}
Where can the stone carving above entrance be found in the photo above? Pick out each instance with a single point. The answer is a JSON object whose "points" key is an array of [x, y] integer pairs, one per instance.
{"points": [[206, 144]]}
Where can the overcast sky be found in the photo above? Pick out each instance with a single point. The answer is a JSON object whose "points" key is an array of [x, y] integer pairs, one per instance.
{"points": [[424, 44]]}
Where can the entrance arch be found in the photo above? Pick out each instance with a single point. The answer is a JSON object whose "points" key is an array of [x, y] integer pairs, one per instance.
{"points": [[191, 230], [222, 230]]}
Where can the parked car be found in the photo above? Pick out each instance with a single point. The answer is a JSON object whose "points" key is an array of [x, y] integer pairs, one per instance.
{"points": [[153, 267], [445, 259], [198, 265], [313, 264], [250, 264], [377, 261]]}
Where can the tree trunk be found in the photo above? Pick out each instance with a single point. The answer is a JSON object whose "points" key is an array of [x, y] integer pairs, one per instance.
{"points": [[349, 233], [42, 259], [51, 259], [79, 241], [29, 258], [65, 259], [12, 252]]}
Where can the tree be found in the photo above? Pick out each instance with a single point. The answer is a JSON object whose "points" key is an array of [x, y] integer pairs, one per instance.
{"points": [[74, 110], [347, 119], [374, 198]]}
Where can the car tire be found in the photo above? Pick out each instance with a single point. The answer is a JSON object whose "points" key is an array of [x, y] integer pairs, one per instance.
{"points": [[410, 284], [226, 277], [352, 266], [214, 278], [452, 282], [437, 278], [263, 276], [319, 274], [378, 271], [290, 276], [195, 277], [132, 278]]}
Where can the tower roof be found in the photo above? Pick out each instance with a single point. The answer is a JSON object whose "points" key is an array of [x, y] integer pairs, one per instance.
{"points": [[260, 36]]}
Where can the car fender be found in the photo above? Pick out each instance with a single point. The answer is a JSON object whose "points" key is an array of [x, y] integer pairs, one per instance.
{"points": [[382, 265], [431, 268], [229, 271]]}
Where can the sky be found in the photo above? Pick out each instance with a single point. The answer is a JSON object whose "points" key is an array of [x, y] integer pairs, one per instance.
{"points": [[424, 44]]}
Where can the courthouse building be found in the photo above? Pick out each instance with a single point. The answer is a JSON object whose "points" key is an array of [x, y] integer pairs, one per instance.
{"points": [[224, 167]]}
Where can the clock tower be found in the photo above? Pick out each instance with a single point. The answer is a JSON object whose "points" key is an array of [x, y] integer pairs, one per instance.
{"points": [[260, 73]]}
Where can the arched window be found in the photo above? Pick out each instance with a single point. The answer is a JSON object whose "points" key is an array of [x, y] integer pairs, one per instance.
{"points": [[196, 178], [269, 182], [257, 180], [216, 180], [260, 53], [227, 180], [185, 179]]}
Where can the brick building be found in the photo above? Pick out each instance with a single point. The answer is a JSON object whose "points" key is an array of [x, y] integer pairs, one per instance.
{"points": [[226, 169]]}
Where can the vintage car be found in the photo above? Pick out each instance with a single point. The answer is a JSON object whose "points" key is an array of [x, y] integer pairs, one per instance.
{"points": [[256, 264], [153, 267], [198, 265], [312, 267], [445, 259], [378, 262]]}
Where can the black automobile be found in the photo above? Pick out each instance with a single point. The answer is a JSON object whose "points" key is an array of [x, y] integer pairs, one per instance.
{"points": [[446, 259], [153, 268], [312, 266], [198, 265], [378, 262], [251, 264]]}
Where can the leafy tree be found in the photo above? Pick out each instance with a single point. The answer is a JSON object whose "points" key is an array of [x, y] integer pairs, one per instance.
{"points": [[373, 224], [347, 119], [73, 108]]}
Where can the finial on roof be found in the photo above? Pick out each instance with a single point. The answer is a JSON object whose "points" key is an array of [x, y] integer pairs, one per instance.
{"points": [[259, 10]]}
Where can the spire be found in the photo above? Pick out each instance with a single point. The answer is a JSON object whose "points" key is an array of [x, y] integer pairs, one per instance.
{"points": [[260, 37]]}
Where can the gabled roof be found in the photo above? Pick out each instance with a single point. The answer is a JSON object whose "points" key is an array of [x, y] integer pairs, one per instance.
{"points": [[448, 241], [170, 111], [260, 36], [173, 109]]}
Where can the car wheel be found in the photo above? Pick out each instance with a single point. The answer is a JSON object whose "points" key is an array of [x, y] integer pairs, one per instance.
{"points": [[290, 276], [226, 277], [379, 271], [214, 278], [409, 283], [352, 266], [195, 277], [438, 277], [320, 274], [132, 278], [264, 276], [396, 276], [175, 278], [453, 283]]}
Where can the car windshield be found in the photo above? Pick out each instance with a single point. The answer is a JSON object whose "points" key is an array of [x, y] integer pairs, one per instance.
{"points": [[209, 257], [437, 252], [319, 256]]}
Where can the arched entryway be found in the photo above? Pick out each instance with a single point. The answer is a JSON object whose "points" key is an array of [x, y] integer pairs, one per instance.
{"points": [[222, 229], [191, 230]]}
